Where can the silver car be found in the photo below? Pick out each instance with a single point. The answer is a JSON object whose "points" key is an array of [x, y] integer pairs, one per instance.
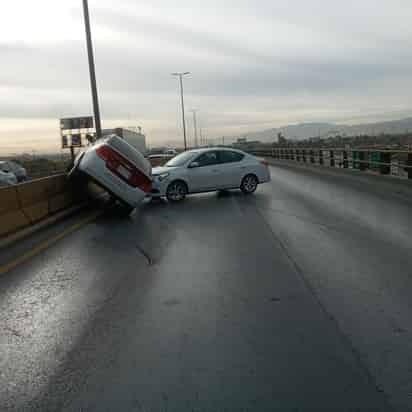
{"points": [[7, 179], [8, 166], [206, 170]]}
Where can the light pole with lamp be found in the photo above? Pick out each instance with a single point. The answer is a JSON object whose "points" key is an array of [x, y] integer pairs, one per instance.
{"points": [[180, 75]]}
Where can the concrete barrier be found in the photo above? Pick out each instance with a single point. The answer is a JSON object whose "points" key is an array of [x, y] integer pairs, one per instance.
{"points": [[12, 216], [28, 203]]}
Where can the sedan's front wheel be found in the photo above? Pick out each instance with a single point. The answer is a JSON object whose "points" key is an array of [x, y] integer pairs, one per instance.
{"points": [[176, 191], [249, 184]]}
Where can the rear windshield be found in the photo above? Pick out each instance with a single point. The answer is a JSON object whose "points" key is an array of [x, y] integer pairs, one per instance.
{"points": [[130, 153]]}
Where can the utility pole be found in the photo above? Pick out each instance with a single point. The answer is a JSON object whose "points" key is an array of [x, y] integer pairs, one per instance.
{"points": [[180, 75], [194, 111], [92, 70]]}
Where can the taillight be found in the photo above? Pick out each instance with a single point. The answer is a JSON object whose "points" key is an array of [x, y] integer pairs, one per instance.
{"points": [[124, 168], [264, 163]]}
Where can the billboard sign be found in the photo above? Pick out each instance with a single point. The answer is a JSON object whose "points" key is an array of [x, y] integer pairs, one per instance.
{"points": [[77, 123]]}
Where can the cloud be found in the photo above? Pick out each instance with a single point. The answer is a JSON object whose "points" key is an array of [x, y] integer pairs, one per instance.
{"points": [[262, 63]]}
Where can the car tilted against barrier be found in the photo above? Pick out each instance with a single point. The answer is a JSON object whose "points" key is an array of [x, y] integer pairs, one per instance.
{"points": [[206, 170], [118, 167]]}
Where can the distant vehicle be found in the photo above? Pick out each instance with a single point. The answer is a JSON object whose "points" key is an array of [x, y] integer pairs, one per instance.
{"points": [[118, 167], [7, 179], [206, 170], [170, 152], [13, 167]]}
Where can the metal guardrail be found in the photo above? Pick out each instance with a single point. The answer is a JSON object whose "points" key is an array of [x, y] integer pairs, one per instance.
{"points": [[383, 161]]}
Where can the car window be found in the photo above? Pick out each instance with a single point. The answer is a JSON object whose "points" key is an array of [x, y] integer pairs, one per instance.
{"points": [[227, 156], [207, 159], [180, 159], [4, 166]]}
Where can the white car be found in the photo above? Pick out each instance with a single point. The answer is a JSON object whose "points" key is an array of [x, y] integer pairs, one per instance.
{"points": [[7, 179], [118, 167], [206, 170]]}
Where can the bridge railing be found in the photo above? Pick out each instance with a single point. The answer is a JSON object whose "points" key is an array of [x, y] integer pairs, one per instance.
{"points": [[382, 161]]}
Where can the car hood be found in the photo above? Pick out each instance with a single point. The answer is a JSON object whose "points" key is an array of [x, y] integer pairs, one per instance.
{"points": [[156, 171]]}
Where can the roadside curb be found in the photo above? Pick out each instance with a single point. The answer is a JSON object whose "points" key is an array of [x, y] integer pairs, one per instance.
{"points": [[24, 233]]}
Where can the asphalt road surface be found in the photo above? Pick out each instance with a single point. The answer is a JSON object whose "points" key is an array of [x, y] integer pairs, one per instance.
{"points": [[298, 298]]}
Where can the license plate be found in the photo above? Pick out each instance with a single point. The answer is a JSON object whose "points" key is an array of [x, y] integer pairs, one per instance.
{"points": [[123, 172]]}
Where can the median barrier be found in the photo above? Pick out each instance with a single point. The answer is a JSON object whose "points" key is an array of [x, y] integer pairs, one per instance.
{"points": [[25, 204], [12, 216]]}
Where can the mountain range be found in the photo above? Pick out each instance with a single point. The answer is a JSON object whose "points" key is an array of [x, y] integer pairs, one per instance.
{"points": [[307, 130]]}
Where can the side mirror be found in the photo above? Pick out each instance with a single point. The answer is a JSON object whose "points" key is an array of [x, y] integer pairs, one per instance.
{"points": [[194, 164]]}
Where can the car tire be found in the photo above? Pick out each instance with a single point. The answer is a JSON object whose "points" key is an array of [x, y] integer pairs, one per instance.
{"points": [[249, 184], [176, 191]]}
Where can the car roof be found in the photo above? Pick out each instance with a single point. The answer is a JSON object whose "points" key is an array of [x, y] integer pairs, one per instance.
{"points": [[211, 149]]}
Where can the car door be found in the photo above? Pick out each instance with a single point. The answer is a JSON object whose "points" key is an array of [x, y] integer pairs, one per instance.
{"points": [[232, 168], [206, 175]]}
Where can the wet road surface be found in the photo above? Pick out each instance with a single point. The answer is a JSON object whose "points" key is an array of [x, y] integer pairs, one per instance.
{"points": [[295, 299]]}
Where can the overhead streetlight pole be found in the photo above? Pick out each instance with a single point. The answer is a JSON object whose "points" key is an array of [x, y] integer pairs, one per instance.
{"points": [[201, 136], [180, 75], [194, 111], [92, 70]]}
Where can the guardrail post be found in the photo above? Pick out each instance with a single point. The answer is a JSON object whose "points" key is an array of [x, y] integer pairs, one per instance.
{"points": [[362, 166], [304, 155], [298, 155], [321, 157], [292, 155], [332, 158], [345, 159], [386, 157], [312, 156], [410, 165]]}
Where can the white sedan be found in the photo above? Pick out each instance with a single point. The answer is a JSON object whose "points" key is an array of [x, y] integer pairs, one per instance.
{"points": [[206, 170], [118, 167]]}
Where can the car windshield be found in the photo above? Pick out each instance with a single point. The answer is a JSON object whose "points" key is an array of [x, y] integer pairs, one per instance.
{"points": [[180, 159]]}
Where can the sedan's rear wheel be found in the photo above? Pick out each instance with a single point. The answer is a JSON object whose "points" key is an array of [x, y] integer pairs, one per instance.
{"points": [[176, 191], [249, 184]]}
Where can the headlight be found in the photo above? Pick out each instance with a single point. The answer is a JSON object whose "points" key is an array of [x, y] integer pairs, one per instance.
{"points": [[163, 176]]}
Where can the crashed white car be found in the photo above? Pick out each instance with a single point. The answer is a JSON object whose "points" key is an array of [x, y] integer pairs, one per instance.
{"points": [[117, 167]]}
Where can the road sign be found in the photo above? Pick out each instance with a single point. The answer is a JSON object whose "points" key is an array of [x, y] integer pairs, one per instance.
{"points": [[76, 140], [76, 131], [77, 123]]}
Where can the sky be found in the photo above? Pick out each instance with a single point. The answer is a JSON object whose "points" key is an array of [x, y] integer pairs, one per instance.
{"points": [[254, 65]]}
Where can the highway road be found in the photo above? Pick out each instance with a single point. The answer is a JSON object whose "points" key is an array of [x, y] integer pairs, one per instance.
{"points": [[298, 298]]}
